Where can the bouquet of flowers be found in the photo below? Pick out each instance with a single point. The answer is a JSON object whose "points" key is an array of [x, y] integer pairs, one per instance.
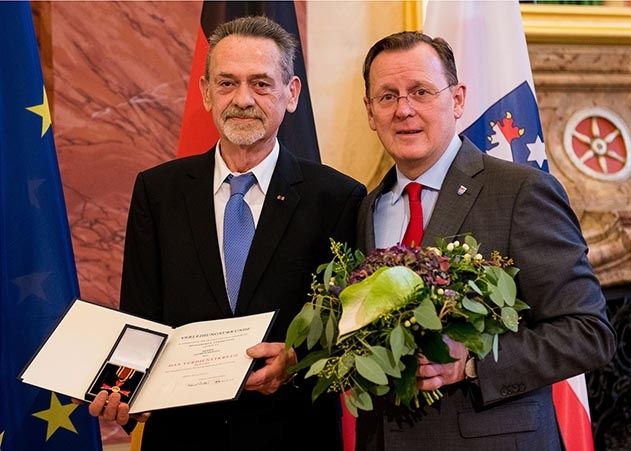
{"points": [[369, 317]]}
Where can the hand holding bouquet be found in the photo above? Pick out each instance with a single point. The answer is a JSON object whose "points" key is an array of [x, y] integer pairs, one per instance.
{"points": [[369, 317]]}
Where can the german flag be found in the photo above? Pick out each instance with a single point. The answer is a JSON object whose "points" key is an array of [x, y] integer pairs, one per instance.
{"points": [[297, 131]]}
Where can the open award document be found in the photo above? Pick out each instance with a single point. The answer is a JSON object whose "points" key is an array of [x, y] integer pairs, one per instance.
{"points": [[151, 366]]}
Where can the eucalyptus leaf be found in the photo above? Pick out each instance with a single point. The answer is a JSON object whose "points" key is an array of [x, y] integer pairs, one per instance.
{"points": [[474, 306], [299, 327], [520, 305], [496, 346], [512, 271], [328, 273], [397, 342], [385, 359], [510, 318], [496, 296], [315, 331], [361, 399], [426, 315], [371, 370], [493, 326], [320, 387], [308, 360], [475, 287], [316, 368], [345, 364], [507, 287], [472, 243], [352, 408], [385, 290], [329, 332], [380, 390]]}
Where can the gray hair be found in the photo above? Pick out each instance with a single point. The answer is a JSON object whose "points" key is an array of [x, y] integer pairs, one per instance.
{"points": [[258, 27]]}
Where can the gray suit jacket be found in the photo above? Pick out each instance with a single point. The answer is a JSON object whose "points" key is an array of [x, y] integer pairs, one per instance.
{"points": [[523, 213]]}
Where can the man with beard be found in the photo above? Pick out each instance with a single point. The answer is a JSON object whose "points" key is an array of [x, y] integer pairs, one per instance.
{"points": [[180, 258]]}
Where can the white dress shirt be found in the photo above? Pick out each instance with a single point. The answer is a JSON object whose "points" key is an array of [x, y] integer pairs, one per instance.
{"points": [[392, 209], [255, 197]]}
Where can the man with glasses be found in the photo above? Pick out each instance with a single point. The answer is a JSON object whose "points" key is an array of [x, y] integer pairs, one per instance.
{"points": [[443, 186]]}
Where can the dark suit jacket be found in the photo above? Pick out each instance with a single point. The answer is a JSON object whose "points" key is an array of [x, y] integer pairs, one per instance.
{"points": [[172, 273], [524, 214]]}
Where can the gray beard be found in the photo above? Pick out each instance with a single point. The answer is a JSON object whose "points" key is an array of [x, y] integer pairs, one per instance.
{"points": [[243, 136]]}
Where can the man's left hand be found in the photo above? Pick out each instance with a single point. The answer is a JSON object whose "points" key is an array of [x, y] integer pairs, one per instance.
{"points": [[432, 376], [274, 374]]}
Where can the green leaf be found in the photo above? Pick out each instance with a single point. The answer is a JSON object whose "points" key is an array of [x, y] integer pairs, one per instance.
{"points": [[510, 318], [385, 290], [426, 315], [474, 287], [328, 273], [361, 399], [511, 271], [299, 327], [397, 342], [496, 296], [496, 346], [322, 267], [507, 287], [350, 405], [309, 360], [316, 368], [385, 359], [520, 305], [472, 243], [329, 332], [405, 388], [315, 331], [320, 387], [345, 364], [493, 326], [466, 334], [371, 370], [380, 390], [477, 321], [474, 306], [434, 348]]}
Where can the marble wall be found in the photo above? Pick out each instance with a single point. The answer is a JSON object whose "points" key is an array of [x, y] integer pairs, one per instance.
{"points": [[120, 77]]}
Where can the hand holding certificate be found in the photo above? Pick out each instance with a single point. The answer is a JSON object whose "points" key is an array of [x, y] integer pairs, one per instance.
{"points": [[150, 365]]}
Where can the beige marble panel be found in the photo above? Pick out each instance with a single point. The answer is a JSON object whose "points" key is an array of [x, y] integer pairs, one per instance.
{"points": [[568, 78], [121, 72]]}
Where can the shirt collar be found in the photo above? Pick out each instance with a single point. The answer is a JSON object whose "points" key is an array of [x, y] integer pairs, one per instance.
{"points": [[262, 171], [432, 178]]}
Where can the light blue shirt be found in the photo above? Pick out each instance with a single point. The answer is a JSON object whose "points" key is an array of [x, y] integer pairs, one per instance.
{"points": [[392, 209]]}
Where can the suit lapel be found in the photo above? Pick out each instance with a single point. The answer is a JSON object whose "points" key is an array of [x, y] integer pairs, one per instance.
{"points": [[200, 206], [457, 195], [366, 223], [281, 201]]}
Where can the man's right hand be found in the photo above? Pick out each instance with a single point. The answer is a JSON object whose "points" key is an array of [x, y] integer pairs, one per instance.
{"points": [[110, 408]]}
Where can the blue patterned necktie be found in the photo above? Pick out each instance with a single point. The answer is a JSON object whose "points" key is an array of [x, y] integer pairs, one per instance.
{"points": [[238, 231]]}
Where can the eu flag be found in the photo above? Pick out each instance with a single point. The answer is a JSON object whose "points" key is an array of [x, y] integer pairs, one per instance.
{"points": [[37, 271]]}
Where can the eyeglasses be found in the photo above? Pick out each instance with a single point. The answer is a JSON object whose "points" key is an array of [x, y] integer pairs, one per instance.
{"points": [[416, 98]]}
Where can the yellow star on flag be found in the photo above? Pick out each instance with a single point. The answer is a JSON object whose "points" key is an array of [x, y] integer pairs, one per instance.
{"points": [[57, 416], [1, 437], [43, 111]]}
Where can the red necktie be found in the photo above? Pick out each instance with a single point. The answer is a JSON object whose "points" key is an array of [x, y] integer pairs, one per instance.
{"points": [[414, 233]]}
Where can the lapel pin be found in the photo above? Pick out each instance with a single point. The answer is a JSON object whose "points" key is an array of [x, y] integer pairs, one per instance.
{"points": [[462, 190], [280, 198]]}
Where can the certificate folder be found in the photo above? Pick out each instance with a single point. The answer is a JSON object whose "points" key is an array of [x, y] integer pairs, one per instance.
{"points": [[152, 366]]}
